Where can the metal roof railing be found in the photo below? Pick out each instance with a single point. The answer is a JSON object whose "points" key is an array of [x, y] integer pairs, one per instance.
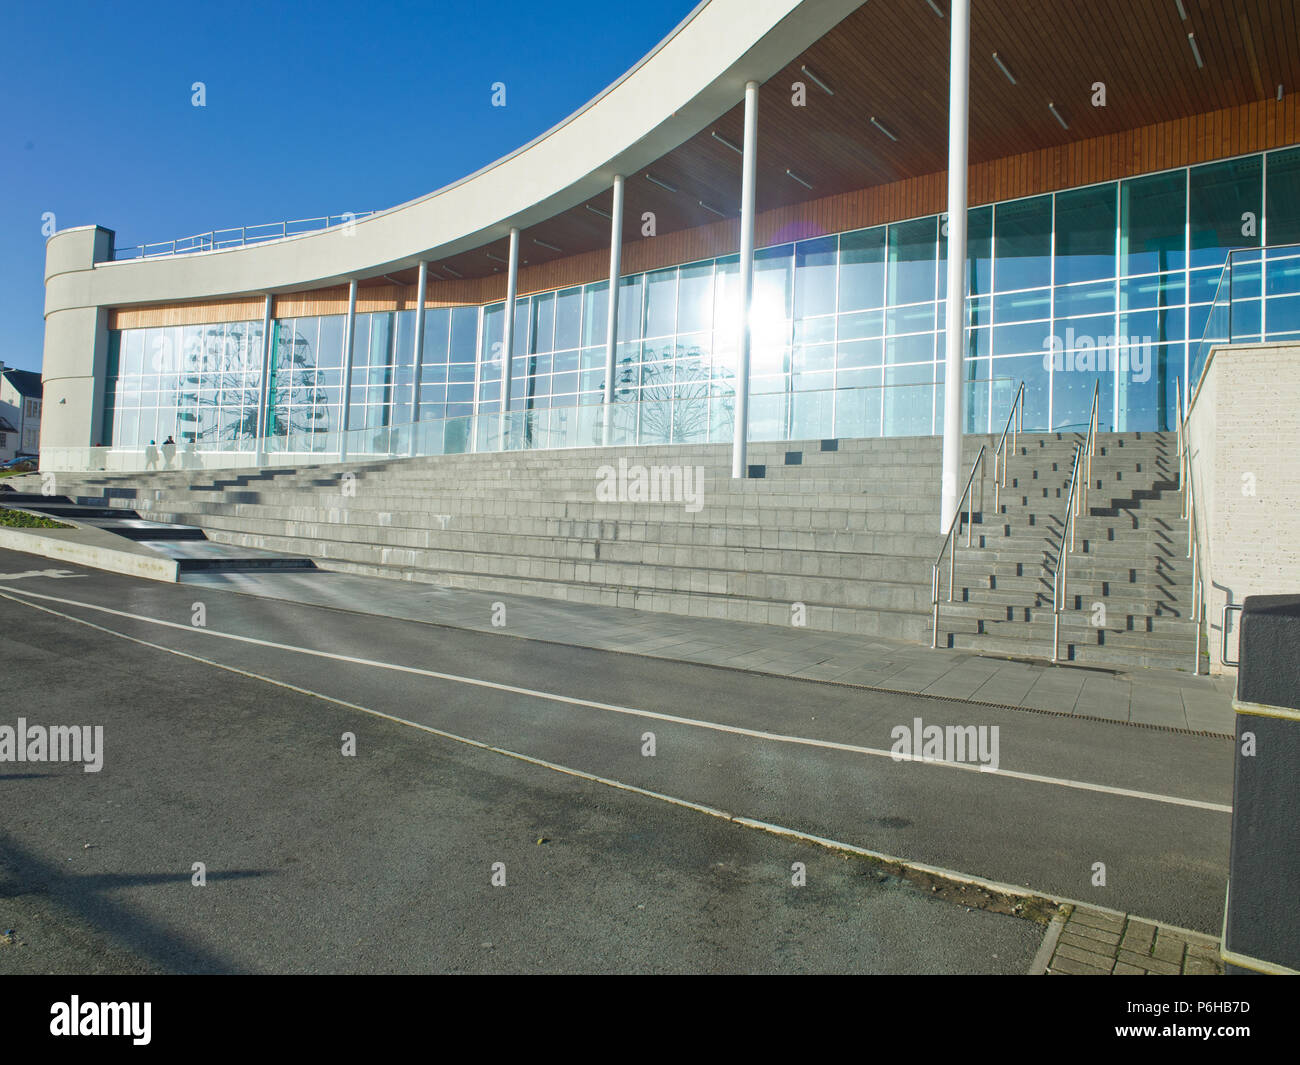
{"points": [[239, 236]]}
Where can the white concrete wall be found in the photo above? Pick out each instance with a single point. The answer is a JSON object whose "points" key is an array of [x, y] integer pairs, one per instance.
{"points": [[1244, 435]]}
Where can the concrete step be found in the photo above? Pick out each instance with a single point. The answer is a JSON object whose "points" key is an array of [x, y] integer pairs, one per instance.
{"points": [[1083, 654]]}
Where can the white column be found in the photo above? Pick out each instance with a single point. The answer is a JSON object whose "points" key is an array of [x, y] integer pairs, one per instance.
{"points": [[747, 182], [611, 329], [508, 330], [345, 400], [421, 288], [264, 385], [955, 318]]}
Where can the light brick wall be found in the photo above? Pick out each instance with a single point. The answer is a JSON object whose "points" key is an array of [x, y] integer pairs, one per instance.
{"points": [[1244, 434]]}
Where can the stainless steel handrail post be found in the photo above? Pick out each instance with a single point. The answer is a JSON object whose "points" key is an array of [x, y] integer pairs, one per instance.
{"points": [[1188, 482], [1091, 444], [1000, 452], [1060, 576], [1223, 646], [949, 541]]}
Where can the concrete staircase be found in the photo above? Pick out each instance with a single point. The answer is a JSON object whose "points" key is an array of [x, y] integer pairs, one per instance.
{"points": [[1129, 593], [187, 544], [847, 529]]}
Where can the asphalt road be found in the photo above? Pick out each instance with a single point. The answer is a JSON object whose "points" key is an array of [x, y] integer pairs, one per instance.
{"points": [[382, 862]]}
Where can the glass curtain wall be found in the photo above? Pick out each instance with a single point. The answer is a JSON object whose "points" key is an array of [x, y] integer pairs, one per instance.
{"points": [[1097, 287], [306, 391], [198, 384], [445, 383]]}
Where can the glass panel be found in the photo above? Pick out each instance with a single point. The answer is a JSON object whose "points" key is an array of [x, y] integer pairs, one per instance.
{"points": [[861, 324], [1022, 244], [812, 416], [1144, 387], [1283, 207], [814, 279], [568, 319], [1031, 370], [1021, 339], [1085, 234], [660, 303], [1283, 317], [1165, 290], [491, 358], [1158, 326], [908, 411], [858, 353], [595, 313], [629, 308], [1153, 216], [912, 251], [857, 410], [862, 269], [814, 330], [520, 342], [979, 252], [1095, 298], [1284, 271], [543, 323], [918, 348], [912, 319], [695, 298], [1022, 306], [1224, 209], [773, 296], [812, 357], [464, 334], [437, 323]]}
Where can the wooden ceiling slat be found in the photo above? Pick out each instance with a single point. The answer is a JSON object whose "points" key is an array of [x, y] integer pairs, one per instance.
{"points": [[891, 60]]}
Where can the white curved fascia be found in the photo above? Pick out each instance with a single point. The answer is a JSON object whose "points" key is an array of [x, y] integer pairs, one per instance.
{"points": [[697, 74]]}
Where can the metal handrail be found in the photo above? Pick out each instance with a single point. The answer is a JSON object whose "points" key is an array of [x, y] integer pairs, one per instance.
{"points": [[1091, 445], [1178, 428], [1076, 500], [220, 239], [1000, 452], [1061, 575], [1228, 608], [1188, 484], [949, 541]]}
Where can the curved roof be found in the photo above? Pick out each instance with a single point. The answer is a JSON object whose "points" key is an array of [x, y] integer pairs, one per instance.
{"points": [[871, 141], [694, 75]]}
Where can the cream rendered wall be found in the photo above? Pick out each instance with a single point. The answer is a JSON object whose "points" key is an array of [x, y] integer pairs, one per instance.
{"points": [[1244, 437]]}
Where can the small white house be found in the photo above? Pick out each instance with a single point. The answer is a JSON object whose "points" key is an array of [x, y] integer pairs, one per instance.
{"points": [[20, 412]]}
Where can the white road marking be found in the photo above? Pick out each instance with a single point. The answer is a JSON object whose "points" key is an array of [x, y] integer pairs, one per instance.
{"points": [[59, 574], [569, 700], [1012, 890]]}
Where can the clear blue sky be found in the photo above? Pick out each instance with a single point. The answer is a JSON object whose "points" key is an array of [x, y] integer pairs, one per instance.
{"points": [[312, 109]]}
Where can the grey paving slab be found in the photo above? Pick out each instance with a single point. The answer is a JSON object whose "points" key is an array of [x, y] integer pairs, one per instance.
{"points": [[1172, 715], [957, 684], [1104, 698], [1004, 688], [1162, 697]]}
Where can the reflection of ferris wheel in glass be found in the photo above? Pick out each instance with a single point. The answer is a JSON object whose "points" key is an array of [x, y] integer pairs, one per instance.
{"points": [[298, 403], [218, 394]]}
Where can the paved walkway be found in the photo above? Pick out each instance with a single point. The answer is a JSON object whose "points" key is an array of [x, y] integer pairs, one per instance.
{"points": [[1085, 942], [1161, 698]]}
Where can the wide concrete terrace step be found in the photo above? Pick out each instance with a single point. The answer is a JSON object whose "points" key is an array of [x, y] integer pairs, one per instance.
{"points": [[848, 529]]}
